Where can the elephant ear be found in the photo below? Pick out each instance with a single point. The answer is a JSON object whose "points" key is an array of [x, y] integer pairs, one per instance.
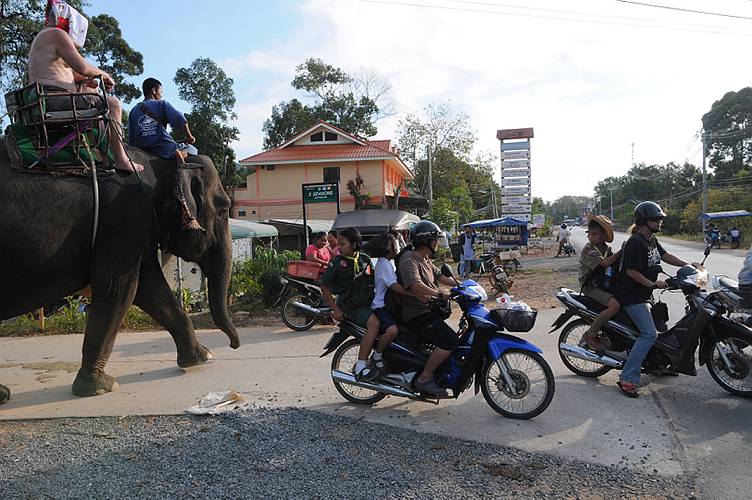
{"points": [[187, 203]]}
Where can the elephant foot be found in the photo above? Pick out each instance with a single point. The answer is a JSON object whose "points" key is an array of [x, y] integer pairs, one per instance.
{"points": [[93, 384], [195, 357], [4, 394]]}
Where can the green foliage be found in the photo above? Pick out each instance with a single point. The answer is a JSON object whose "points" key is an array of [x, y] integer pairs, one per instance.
{"points": [[209, 91], [720, 200], [356, 188], [443, 214], [258, 277], [728, 125], [461, 202], [136, 319], [338, 100], [106, 46], [21, 20]]}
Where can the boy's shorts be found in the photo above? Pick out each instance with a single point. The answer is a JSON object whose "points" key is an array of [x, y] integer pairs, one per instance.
{"points": [[597, 294], [385, 318]]}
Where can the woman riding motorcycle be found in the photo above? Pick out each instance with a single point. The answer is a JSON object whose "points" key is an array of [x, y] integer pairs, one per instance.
{"points": [[641, 259]]}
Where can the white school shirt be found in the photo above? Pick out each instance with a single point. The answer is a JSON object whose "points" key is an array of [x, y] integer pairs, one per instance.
{"points": [[384, 277]]}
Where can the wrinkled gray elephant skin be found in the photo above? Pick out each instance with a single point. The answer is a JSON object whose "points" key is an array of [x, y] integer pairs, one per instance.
{"points": [[46, 254]]}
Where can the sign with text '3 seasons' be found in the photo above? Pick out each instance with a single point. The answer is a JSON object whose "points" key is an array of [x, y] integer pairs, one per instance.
{"points": [[320, 193]]}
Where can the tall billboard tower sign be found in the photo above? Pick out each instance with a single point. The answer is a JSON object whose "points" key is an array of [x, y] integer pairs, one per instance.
{"points": [[516, 197]]}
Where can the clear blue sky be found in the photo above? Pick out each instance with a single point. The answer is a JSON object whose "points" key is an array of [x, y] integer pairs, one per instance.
{"points": [[171, 34]]}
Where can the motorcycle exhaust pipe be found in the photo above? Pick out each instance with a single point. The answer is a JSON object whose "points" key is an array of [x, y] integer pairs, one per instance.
{"points": [[348, 378], [311, 310], [580, 353]]}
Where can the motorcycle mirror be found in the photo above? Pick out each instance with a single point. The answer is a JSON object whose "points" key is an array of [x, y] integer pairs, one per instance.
{"points": [[447, 271], [708, 248]]}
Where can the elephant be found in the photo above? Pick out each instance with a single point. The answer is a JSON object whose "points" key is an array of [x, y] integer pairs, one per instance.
{"points": [[46, 251]]}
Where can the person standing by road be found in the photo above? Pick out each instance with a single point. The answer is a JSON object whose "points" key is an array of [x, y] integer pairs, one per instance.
{"points": [[467, 255], [641, 263]]}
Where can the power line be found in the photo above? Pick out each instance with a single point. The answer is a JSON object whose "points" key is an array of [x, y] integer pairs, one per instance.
{"points": [[667, 7], [557, 18]]}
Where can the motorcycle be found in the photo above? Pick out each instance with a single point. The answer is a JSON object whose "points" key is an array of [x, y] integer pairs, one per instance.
{"points": [[568, 249], [302, 302], [514, 378], [713, 238], [724, 341]]}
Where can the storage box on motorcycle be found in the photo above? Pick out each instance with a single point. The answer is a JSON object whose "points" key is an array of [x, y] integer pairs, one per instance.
{"points": [[304, 269]]}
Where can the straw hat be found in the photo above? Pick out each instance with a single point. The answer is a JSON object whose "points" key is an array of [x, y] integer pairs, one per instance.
{"points": [[605, 223]]}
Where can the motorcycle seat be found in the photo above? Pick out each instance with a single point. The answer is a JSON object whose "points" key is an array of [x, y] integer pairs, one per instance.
{"points": [[301, 279], [728, 283], [621, 317]]}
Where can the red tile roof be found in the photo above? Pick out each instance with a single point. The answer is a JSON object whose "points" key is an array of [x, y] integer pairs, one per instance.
{"points": [[372, 149]]}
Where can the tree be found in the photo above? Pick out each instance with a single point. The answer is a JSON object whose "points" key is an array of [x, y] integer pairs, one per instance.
{"points": [[442, 213], [356, 188], [729, 125], [439, 127], [461, 202], [347, 102], [209, 91], [21, 20]]}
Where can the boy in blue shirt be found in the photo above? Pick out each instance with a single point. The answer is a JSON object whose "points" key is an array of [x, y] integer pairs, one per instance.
{"points": [[147, 125]]}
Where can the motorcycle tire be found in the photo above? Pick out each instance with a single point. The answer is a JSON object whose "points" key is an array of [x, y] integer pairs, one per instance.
{"points": [[580, 367], [498, 284], [344, 359], [295, 319], [738, 379], [511, 267], [4, 394], [492, 383]]}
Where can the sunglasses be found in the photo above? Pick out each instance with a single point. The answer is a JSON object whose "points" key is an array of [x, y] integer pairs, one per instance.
{"points": [[655, 219]]}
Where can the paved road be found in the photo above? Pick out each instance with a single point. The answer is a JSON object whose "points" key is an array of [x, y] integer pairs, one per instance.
{"points": [[680, 425], [713, 428]]}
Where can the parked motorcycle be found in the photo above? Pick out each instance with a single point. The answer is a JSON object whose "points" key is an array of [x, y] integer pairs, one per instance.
{"points": [[302, 302], [725, 343], [514, 378]]}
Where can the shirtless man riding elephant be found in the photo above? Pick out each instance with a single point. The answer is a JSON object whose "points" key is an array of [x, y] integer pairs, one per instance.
{"points": [[54, 63]]}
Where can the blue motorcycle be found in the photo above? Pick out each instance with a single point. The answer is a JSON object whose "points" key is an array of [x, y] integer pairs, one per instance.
{"points": [[510, 372]]}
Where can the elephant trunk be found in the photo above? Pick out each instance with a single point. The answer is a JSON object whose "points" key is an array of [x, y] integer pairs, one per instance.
{"points": [[217, 269]]}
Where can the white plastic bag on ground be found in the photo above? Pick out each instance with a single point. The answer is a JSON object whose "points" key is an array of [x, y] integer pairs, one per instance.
{"points": [[218, 402]]}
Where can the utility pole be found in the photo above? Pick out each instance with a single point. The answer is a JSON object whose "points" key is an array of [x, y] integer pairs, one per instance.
{"points": [[633, 154], [430, 176], [493, 200], [704, 176], [611, 193]]}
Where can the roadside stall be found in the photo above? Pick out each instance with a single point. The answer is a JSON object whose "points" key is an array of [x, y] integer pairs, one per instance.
{"points": [[732, 234]]}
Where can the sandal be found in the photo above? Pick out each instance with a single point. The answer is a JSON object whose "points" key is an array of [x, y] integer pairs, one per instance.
{"points": [[594, 343], [628, 388]]}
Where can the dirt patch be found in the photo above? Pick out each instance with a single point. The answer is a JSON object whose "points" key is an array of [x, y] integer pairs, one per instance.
{"points": [[241, 319]]}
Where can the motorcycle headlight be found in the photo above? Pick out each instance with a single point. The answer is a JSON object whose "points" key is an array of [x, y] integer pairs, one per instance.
{"points": [[698, 279]]}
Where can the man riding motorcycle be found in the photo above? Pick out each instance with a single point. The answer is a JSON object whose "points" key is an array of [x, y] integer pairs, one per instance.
{"points": [[420, 277], [563, 237]]}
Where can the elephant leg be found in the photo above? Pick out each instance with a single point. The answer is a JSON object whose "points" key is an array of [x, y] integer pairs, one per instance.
{"points": [[108, 308], [156, 298], [4, 394]]}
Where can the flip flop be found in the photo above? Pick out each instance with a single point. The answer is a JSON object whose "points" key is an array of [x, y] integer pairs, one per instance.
{"points": [[628, 388]]}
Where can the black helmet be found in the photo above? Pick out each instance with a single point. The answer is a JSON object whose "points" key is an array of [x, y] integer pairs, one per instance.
{"points": [[563, 226], [423, 233], [648, 210]]}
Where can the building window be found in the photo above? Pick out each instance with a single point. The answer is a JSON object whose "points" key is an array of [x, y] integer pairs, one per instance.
{"points": [[317, 137], [331, 174], [330, 136], [270, 167], [241, 213], [253, 212]]}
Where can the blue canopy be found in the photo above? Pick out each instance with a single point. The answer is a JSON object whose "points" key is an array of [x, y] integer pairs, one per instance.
{"points": [[504, 221], [724, 215]]}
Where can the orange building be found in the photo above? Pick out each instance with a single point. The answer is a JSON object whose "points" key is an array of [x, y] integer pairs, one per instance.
{"points": [[322, 153]]}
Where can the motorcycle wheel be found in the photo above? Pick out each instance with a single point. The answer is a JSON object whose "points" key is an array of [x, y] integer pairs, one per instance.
{"points": [[497, 284], [4, 394], [511, 267], [572, 334], [534, 380], [294, 318], [738, 349], [344, 359]]}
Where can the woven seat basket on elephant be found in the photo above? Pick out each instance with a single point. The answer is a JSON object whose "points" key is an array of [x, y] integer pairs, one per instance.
{"points": [[57, 130]]}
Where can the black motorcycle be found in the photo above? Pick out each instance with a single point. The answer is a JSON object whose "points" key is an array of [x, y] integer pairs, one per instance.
{"points": [[710, 322], [302, 303]]}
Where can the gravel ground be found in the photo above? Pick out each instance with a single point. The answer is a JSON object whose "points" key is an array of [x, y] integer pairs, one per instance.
{"points": [[288, 452]]}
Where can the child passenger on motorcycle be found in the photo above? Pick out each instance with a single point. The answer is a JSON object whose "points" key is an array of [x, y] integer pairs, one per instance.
{"points": [[349, 275], [595, 260], [385, 247]]}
